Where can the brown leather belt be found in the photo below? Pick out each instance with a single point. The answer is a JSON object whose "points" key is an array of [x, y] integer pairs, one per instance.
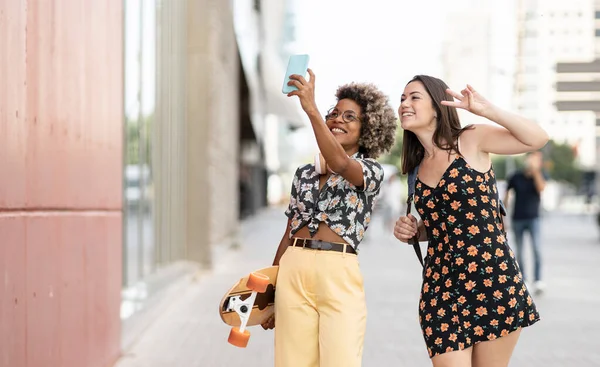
{"points": [[322, 245]]}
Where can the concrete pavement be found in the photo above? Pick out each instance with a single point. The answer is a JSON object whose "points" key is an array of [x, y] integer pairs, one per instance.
{"points": [[191, 334]]}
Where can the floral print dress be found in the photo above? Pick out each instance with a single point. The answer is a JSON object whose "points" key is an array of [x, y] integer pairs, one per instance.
{"points": [[472, 290]]}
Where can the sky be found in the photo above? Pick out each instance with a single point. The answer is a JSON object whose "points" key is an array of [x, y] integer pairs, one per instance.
{"points": [[387, 43], [137, 78], [377, 41], [384, 42]]}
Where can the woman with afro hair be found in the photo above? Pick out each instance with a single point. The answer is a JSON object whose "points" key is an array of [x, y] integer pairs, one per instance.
{"points": [[320, 303]]}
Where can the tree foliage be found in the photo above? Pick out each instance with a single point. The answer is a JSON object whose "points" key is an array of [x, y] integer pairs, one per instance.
{"points": [[394, 157], [559, 161]]}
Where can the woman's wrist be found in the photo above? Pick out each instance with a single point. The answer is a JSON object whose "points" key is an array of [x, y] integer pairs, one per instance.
{"points": [[492, 113], [313, 113]]}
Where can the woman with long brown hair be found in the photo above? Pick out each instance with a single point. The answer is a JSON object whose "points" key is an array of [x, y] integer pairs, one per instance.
{"points": [[473, 300]]}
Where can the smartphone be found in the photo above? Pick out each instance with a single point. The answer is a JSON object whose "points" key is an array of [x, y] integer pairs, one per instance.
{"points": [[298, 64]]}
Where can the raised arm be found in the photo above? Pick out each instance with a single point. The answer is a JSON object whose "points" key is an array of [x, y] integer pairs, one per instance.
{"points": [[513, 134], [330, 148]]}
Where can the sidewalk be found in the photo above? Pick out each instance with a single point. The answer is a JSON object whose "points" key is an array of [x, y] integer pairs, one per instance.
{"points": [[191, 334]]}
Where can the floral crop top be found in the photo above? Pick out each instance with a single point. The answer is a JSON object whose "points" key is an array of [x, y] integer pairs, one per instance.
{"points": [[345, 208]]}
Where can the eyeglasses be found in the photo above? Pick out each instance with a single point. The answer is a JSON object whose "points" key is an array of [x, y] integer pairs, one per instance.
{"points": [[348, 116]]}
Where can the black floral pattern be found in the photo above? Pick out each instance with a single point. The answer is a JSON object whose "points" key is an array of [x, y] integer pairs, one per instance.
{"points": [[345, 208], [473, 289]]}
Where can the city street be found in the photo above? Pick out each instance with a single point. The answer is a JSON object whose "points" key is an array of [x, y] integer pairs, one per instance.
{"points": [[190, 332]]}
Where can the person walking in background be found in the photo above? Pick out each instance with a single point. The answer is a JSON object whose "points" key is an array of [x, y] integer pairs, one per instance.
{"points": [[473, 300], [527, 186]]}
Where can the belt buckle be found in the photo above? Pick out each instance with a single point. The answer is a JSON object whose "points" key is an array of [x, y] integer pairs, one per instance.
{"points": [[321, 245]]}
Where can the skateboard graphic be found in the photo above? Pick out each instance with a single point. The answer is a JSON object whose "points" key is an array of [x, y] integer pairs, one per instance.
{"points": [[249, 302]]}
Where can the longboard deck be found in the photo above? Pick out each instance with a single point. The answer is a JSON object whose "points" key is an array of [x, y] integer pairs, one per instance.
{"points": [[264, 305]]}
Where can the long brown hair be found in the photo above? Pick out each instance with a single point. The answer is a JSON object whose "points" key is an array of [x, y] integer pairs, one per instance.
{"points": [[446, 132]]}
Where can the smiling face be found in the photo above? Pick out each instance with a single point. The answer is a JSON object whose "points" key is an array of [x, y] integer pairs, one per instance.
{"points": [[416, 108], [344, 122]]}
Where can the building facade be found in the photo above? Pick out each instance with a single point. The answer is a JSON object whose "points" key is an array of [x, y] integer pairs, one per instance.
{"points": [[203, 108], [135, 134], [550, 32], [479, 49], [61, 108], [578, 91]]}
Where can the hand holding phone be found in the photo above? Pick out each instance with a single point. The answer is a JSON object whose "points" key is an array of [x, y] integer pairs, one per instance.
{"points": [[298, 64]]}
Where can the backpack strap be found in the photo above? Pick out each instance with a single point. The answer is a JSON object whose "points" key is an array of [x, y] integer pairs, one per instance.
{"points": [[412, 180], [502, 214]]}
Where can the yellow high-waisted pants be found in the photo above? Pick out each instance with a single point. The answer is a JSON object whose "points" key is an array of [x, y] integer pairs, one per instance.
{"points": [[320, 310]]}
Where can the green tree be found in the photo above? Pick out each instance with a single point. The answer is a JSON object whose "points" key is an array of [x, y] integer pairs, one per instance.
{"points": [[560, 162], [505, 165], [136, 134], [395, 155]]}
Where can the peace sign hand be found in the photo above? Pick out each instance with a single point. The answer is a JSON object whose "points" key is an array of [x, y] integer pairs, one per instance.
{"points": [[469, 100], [305, 92]]}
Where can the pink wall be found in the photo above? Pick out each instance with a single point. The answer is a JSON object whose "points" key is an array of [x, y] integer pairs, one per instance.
{"points": [[60, 182]]}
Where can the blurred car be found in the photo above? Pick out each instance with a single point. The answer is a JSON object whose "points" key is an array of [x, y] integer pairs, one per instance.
{"points": [[138, 187]]}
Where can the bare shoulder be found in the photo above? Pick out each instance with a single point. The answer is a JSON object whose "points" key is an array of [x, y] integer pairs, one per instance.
{"points": [[469, 147]]}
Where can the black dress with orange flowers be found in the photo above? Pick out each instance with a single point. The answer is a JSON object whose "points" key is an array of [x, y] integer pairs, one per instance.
{"points": [[472, 290]]}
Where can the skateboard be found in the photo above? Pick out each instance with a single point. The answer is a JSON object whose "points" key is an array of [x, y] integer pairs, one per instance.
{"points": [[249, 302]]}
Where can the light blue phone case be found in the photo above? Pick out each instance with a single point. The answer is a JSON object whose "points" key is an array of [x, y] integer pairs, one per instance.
{"points": [[298, 64]]}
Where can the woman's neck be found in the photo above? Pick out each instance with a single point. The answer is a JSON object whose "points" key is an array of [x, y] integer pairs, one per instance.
{"points": [[351, 151], [426, 140]]}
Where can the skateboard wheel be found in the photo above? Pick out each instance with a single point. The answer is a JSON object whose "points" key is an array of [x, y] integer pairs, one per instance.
{"points": [[257, 282], [238, 338]]}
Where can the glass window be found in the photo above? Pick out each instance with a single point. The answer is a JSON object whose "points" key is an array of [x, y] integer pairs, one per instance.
{"points": [[140, 43], [154, 127]]}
